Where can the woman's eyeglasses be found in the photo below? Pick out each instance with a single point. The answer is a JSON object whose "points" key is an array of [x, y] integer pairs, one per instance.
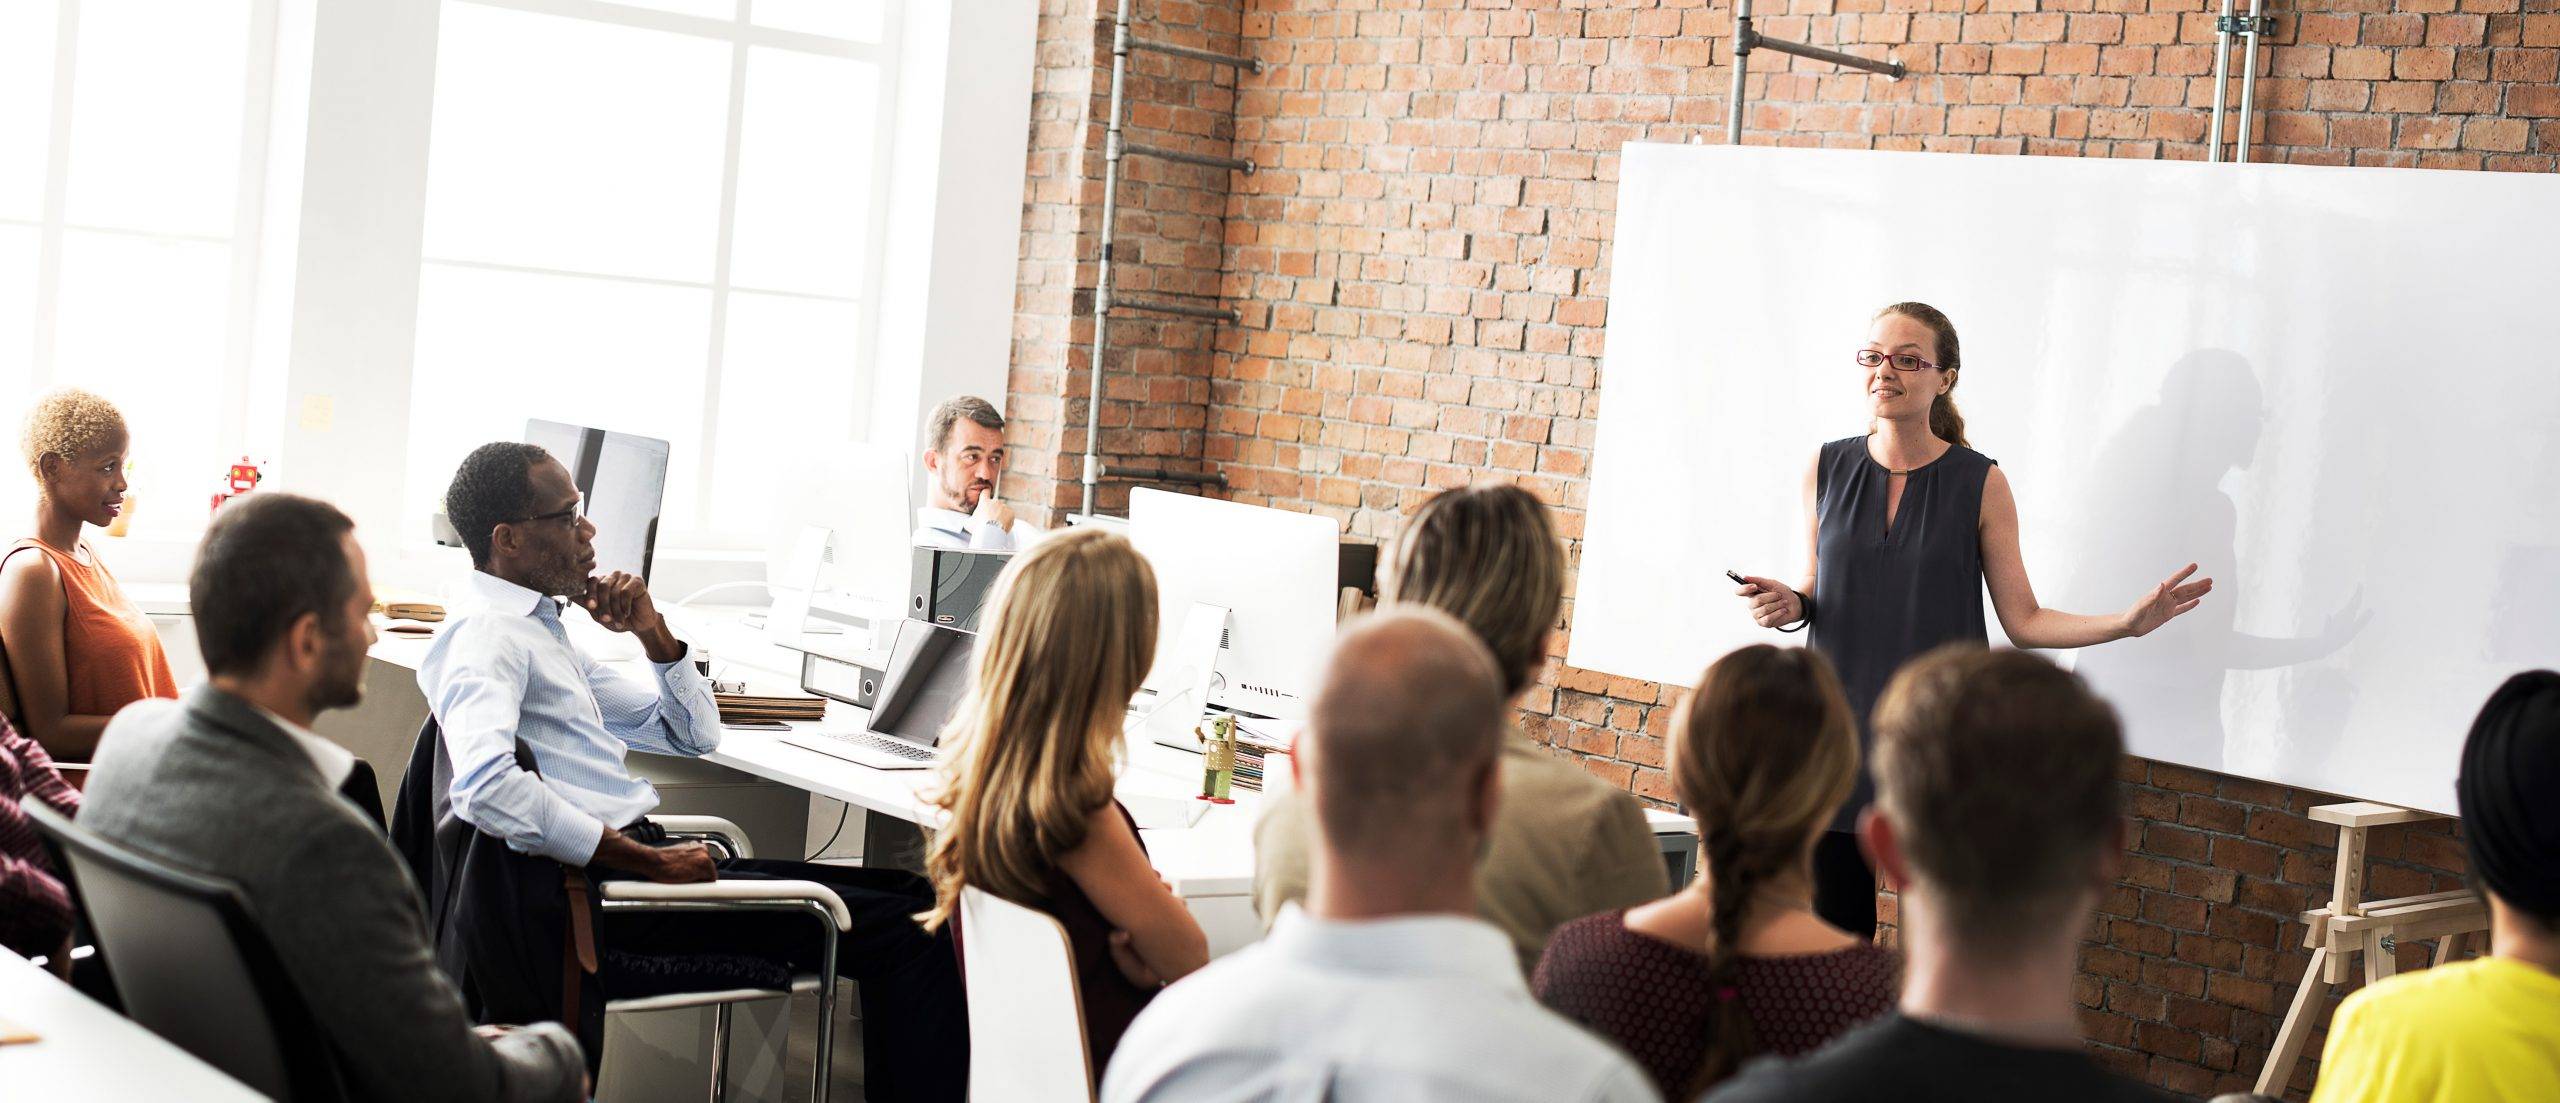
{"points": [[1902, 361]]}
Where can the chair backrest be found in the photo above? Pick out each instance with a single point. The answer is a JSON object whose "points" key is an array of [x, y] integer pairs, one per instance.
{"points": [[1026, 1022], [192, 965]]}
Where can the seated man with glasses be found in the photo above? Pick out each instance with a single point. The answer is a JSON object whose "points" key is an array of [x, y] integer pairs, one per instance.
{"points": [[503, 673]]}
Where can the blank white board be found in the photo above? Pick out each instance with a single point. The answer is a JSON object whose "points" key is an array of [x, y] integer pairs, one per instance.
{"points": [[2337, 389]]}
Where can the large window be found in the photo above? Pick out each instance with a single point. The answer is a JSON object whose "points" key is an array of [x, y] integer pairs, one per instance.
{"points": [[133, 146], [659, 217]]}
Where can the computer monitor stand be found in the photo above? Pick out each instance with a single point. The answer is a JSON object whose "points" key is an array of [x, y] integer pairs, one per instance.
{"points": [[1191, 675]]}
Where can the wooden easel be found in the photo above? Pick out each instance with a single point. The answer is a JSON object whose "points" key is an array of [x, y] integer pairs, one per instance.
{"points": [[2353, 925]]}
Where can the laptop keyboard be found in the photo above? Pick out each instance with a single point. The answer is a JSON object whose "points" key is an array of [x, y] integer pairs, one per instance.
{"points": [[908, 751]]}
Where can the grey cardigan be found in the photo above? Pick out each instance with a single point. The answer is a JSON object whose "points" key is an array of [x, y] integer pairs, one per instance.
{"points": [[211, 784]]}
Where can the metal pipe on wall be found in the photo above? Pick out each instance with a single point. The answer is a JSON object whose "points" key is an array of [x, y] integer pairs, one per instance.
{"points": [[2221, 81], [1091, 475], [2249, 74], [1742, 36]]}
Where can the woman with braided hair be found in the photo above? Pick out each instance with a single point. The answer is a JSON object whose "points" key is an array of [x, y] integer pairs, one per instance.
{"points": [[1737, 964]]}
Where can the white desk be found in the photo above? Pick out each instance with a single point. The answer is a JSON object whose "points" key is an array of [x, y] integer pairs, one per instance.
{"points": [[90, 1053], [1209, 864]]}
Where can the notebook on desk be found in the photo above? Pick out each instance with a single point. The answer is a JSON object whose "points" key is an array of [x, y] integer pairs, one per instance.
{"points": [[928, 674]]}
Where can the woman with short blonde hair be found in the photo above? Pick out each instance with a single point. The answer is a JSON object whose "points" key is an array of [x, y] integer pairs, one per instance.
{"points": [[76, 648], [1027, 789]]}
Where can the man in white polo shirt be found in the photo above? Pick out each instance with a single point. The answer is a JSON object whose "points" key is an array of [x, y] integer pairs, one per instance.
{"points": [[1384, 985], [963, 465]]}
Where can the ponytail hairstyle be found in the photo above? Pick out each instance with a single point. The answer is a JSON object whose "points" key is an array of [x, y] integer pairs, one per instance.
{"points": [[1763, 753], [1943, 418]]}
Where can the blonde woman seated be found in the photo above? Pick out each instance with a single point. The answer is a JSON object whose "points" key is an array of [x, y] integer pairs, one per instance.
{"points": [[1737, 964], [1028, 787], [76, 649]]}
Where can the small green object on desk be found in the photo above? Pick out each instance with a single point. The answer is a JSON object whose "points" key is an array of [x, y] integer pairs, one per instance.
{"points": [[1217, 759]]}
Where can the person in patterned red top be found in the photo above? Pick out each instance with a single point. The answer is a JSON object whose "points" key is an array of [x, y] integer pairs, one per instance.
{"points": [[1736, 964], [35, 911]]}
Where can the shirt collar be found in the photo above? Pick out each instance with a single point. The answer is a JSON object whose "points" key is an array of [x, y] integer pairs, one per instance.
{"points": [[497, 595], [334, 762], [1422, 945], [948, 520]]}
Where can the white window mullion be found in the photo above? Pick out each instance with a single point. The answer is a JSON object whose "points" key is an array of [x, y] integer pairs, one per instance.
{"points": [[57, 189], [884, 126], [725, 238], [248, 224]]}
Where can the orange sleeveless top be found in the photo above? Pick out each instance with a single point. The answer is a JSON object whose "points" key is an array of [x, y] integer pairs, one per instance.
{"points": [[111, 655]]}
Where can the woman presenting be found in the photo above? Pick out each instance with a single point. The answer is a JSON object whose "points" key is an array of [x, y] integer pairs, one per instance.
{"points": [[1908, 524]]}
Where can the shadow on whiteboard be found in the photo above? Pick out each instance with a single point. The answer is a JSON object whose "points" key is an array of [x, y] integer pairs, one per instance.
{"points": [[2159, 498]]}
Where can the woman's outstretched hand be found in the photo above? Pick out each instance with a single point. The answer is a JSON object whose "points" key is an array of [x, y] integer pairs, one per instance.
{"points": [[2165, 602], [1773, 604]]}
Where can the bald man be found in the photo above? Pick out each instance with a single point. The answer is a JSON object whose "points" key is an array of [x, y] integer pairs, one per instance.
{"points": [[1384, 985]]}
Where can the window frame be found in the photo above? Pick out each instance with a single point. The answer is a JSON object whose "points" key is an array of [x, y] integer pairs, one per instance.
{"points": [[692, 525]]}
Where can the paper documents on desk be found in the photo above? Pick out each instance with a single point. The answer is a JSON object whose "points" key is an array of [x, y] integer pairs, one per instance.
{"points": [[1159, 813]]}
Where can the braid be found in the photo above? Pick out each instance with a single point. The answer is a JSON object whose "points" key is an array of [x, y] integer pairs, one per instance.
{"points": [[1736, 870]]}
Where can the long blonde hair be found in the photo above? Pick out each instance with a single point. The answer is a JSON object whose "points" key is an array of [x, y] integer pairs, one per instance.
{"points": [[1070, 636]]}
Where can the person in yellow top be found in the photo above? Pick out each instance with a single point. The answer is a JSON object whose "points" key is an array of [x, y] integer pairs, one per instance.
{"points": [[1564, 843], [2489, 1029]]}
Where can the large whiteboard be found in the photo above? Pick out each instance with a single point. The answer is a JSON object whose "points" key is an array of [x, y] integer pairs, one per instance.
{"points": [[2337, 389]]}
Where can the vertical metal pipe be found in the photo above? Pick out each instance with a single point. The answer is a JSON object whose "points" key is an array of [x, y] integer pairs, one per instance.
{"points": [[2248, 77], [2221, 80], [1741, 63], [720, 1051], [1092, 474]]}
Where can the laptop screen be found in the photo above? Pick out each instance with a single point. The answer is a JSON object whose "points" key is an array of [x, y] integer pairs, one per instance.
{"points": [[929, 669]]}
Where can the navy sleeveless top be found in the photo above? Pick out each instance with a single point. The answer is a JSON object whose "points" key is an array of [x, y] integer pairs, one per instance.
{"points": [[1884, 594]]}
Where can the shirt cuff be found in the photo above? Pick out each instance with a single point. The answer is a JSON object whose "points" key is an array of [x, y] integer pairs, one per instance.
{"points": [[573, 836]]}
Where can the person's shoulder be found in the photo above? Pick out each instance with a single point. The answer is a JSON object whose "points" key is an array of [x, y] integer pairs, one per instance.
{"points": [[28, 569], [140, 732], [1541, 784], [2417, 1001]]}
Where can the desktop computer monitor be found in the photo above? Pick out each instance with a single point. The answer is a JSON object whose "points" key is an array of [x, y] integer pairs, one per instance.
{"points": [[624, 480], [858, 493], [929, 671], [1273, 570]]}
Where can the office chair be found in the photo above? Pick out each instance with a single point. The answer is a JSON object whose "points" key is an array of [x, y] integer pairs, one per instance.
{"points": [[1026, 1017], [194, 967], [430, 837]]}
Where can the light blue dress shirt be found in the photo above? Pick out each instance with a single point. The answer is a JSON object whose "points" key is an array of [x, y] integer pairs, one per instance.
{"points": [[504, 670]]}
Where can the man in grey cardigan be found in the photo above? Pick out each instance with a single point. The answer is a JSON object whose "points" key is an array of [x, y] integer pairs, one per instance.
{"points": [[231, 783]]}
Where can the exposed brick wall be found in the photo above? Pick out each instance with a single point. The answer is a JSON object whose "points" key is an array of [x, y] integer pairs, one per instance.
{"points": [[1170, 234], [1422, 270]]}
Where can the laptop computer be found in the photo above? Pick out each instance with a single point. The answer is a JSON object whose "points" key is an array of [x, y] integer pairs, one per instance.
{"points": [[928, 674]]}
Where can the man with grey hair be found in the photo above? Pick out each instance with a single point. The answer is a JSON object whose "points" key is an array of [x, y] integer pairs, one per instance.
{"points": [[1384, 985], [963, 466]]}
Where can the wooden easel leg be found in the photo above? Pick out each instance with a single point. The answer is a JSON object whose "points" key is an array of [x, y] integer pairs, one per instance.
{"points": [[2449, 947], [2379, 964], [2309, 1002]]}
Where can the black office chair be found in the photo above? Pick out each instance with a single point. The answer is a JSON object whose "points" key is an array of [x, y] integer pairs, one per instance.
{"points": [[194, 967]]}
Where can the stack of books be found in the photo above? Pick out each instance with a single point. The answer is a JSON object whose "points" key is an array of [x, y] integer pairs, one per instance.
{"points": [[742, 708], [1253, 750]]}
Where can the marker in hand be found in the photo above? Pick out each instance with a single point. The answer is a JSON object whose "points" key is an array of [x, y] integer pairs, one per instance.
{"points": [[1773, 604]]}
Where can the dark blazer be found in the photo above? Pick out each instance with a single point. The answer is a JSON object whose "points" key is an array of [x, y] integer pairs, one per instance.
{"points": [[209, 783], [500, 919]]}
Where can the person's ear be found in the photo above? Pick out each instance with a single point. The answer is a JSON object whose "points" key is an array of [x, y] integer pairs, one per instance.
{"points": [[306, 640], [48, 465], [2111, 855], [1488, 798], [1884, 850], [933, 461], [502, 540]]}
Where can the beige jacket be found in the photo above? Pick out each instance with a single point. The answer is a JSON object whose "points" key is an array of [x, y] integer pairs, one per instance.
{"points": [[1565, 845]]}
